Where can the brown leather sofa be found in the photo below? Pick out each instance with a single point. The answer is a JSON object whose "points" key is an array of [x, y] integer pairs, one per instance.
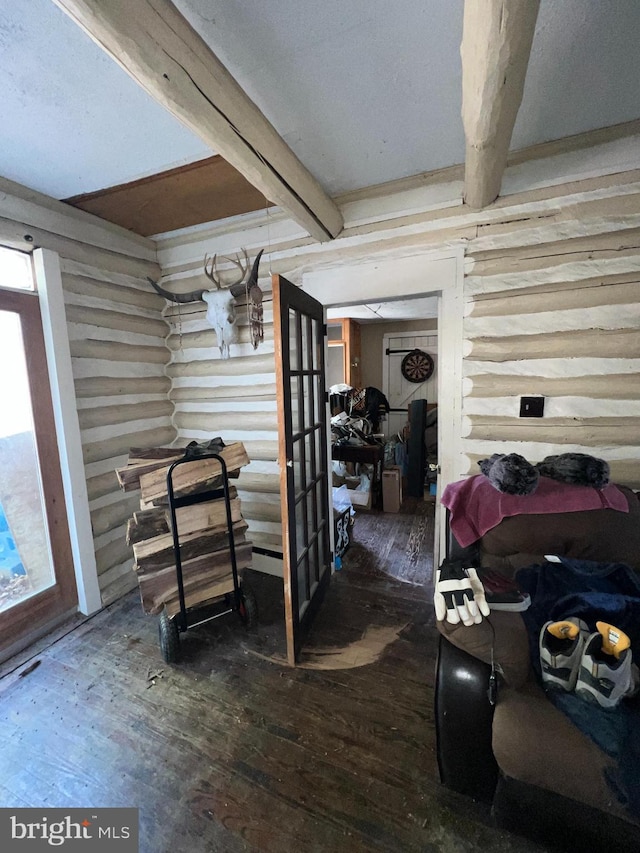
{"points": [[543, 777]]}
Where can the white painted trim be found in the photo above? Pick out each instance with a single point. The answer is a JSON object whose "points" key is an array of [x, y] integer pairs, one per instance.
{"points": [[327, 418], [54, 324], [388, 276], [450, 359], [266, 564]]}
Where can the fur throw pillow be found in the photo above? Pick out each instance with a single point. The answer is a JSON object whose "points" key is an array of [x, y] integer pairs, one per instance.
{"points": [[510, 473], [579, 469]]}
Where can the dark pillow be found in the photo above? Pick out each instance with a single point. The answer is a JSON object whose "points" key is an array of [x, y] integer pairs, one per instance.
{"points": [[577, 468], [510, 473]]}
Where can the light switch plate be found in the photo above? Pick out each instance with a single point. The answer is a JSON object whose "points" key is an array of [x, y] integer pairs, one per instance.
{"points": [[531, 407]]}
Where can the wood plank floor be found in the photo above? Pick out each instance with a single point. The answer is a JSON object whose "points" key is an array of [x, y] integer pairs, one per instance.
{"points": [[398, 544], [232, 750]]}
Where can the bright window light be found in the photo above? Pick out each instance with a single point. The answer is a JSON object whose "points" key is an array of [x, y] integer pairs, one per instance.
{"points": [[15, 270]]}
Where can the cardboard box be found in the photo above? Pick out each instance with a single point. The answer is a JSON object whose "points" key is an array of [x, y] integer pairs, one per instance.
{"points": [[361, 500], [391, 490]]}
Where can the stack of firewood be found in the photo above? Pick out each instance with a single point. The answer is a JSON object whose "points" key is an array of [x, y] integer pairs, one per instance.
{"points": [[203, 531]]}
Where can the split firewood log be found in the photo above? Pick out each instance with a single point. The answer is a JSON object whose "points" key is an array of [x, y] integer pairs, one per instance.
{"points": [[148, 523], [195, 476], [145, 524], [142, 462], [204, 577], [155, 554]]}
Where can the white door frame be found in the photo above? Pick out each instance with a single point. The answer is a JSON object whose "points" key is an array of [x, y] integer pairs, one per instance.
{"points": [[441, 274], [48, 277]]}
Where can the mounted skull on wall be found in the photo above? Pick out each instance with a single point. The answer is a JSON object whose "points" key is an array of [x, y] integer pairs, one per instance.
{"points": [[221, 304]]}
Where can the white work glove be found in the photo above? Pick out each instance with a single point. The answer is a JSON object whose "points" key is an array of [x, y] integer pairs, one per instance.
{"points": [[459, 594]]}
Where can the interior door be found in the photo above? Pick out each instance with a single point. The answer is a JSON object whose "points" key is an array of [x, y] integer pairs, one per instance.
{"points": [[37, 582], [302, 452], [398, 390]]}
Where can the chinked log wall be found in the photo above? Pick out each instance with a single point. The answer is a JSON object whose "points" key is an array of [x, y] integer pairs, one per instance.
{"points": [[117, 341], [234, 398], [552, 307], [117, 338], [559, 318], [552, 302]]}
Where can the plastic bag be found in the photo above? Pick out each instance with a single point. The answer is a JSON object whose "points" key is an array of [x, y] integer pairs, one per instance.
{"points": [[342, 500], [365, 483]]}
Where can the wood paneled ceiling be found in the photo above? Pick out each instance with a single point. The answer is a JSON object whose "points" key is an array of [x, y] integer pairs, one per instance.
{"points": [[203, 191]]}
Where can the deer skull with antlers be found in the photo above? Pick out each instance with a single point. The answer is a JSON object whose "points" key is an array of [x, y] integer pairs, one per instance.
{"points": [[221, 306]]}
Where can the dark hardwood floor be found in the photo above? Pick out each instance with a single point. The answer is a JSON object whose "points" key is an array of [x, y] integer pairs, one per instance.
{"points": [[398, 544], [231, 750]]}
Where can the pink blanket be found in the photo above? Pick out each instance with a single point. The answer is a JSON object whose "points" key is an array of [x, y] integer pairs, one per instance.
{"points": [[476, 507]]}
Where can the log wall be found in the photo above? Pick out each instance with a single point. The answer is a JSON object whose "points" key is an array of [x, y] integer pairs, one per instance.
{"points": [[559, 318], [552, 307], [234, 398], [117, 342], [117, 338], [551, 286]]}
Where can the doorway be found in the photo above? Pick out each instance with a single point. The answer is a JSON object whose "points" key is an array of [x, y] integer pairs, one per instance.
{"points": [[396, 531], [388, 279], [37, 583]]}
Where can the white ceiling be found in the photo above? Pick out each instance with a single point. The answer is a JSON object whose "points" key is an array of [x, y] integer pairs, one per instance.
{"points": [[364, 92], [420, 308]]}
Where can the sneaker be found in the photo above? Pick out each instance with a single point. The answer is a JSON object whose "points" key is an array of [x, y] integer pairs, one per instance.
{"points": [[502, 593], [606, 673], [561, 647]]}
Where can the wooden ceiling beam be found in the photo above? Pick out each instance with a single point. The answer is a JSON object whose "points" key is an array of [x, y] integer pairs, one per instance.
{"points": [[157, 46], [496, 43]]}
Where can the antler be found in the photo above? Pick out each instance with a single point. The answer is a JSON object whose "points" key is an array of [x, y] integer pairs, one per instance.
{"points": [[193, 296], [239, 289], [211, 275]]}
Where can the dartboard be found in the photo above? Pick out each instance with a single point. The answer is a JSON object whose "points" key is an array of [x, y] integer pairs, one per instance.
{"points": [[417, 366]]}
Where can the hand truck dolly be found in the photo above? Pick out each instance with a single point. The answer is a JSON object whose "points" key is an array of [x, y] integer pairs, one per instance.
{"points": [[239, 599]]}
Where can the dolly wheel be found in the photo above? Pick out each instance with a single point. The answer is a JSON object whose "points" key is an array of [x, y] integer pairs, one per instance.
{"points": [[169, 638], [248, 607]]}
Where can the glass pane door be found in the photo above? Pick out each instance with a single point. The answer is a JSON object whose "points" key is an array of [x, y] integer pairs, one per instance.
{"points": [[302, 425], [37, 577], [26, 566]]}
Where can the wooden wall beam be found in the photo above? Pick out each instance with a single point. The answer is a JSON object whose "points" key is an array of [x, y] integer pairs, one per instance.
{"points": [[496, 43], [52, 224], [156, 46]]}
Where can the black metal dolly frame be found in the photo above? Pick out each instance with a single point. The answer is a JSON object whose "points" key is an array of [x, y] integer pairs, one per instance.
{"points": [[241, 600]]}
